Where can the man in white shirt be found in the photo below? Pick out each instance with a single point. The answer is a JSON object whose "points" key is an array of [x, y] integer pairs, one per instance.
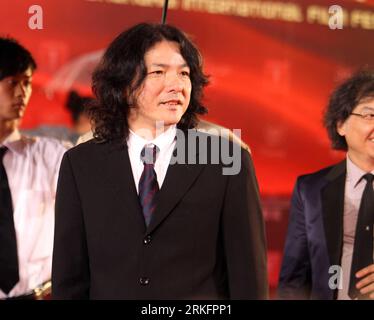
{"points": [[28, 173]]}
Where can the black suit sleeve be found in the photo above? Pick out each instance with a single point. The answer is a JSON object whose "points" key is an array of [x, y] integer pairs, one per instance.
{"points": [[295, 275], [244, 235], [70, 269]]}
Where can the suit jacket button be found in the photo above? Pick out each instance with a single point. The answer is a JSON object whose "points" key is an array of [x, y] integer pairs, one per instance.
{"points": [[147, 240], [144, 281]]}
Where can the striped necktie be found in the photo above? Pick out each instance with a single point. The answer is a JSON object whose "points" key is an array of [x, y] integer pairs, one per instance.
{"points": [[148, 186]]}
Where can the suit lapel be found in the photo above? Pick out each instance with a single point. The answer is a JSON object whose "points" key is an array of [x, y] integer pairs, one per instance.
{"points": [[179, 178], [332, 197], [121, 181]]}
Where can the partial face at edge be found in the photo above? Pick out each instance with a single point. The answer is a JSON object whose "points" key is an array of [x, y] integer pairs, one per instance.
{"points": [[15, 93], [359, 134]]}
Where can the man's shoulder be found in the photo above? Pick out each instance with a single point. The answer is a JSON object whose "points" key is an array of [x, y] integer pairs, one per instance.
{"points": [[93, 148], [321, 176], [214, 151], [221, 138], [218, 130], [45, 144]]}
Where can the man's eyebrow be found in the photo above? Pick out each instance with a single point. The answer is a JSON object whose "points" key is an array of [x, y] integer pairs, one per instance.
{"points": [[366, 100], [165, 65], [24, 77], [20, 76], [367, 108]]}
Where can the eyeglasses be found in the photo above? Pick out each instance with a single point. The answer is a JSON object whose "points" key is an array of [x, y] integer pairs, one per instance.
{"points": [[366, 116]]}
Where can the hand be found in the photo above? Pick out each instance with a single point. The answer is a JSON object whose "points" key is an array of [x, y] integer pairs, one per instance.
{"points": [[366, 284]]}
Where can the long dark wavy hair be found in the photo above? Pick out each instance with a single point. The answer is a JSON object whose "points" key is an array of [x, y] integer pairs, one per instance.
{"points": [[344, 100], [123, 61]]}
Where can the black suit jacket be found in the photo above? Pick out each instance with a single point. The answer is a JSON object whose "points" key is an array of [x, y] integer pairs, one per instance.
{"points": [[205, 241], [315, 235]]}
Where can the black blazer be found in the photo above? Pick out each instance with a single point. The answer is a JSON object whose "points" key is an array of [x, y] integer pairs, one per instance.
{"points": [[315, 235], [205, 241]]}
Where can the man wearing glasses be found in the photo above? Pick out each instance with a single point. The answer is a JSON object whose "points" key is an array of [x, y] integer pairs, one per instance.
{"points": [[329, 246]]}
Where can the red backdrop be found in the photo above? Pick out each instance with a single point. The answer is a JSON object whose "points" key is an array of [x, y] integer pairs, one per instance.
{"points": [[271, 78]]}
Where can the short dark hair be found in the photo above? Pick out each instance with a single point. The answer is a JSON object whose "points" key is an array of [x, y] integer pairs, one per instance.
{"points": [[77, 104], [344, 100], [123, 62], [14, 58]]}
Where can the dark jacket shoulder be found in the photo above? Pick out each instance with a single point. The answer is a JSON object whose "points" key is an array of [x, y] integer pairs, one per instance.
{"points": [[324, 173]]}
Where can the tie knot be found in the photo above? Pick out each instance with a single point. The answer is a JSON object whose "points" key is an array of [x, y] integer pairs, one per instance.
{"points": [[149, 153], [368, 177], [3, 150]]}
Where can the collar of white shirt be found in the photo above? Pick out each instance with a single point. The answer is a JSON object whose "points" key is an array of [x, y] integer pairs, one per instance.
{"points": [[163, 141], [14, 142], [354, 173]]}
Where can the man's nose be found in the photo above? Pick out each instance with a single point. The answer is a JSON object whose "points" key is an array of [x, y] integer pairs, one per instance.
{"points": [[174, 83], [21, 90]]}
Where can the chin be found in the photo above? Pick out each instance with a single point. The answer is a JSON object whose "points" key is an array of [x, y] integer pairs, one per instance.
{"points": [[371, 156], [171, 121], [19, 113]]}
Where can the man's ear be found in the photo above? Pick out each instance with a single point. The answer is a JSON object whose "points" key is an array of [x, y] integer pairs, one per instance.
{"points": [[341, 127]]}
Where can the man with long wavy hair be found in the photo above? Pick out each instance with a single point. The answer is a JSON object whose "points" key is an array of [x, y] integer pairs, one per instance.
{"points": [[139, 214]]}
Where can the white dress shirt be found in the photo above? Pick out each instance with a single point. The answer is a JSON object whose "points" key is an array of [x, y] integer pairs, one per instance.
{"points": [[165, 142], [32, 166], [354, 188]]}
